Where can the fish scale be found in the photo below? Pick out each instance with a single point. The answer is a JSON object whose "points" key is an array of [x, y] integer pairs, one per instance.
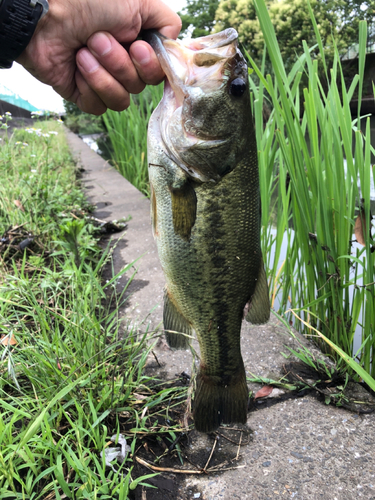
{"points": [[206, 218]]}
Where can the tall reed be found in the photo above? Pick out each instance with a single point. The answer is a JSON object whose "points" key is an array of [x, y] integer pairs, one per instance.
{"points": [[321, 160], [127, 132]]}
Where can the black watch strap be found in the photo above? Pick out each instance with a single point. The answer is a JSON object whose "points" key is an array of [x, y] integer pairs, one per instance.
{"points": [[18, 20]]}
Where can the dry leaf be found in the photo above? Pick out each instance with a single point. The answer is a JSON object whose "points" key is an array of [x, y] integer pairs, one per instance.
{"points": [[264, 391], [8, 340], [360, 227], [19, 205], [140, 397]]}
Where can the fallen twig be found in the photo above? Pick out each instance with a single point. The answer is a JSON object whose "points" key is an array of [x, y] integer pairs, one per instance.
{"points": [[167, 469], [231, 440], [216, 468], [239, 446], [156, 359], [212, 451]]}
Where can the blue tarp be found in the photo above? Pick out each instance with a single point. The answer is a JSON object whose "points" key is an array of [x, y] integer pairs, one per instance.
{"points": [[8, 96]]}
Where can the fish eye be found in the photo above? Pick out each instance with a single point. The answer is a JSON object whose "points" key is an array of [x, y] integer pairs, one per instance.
{"points": [[237, 87]]}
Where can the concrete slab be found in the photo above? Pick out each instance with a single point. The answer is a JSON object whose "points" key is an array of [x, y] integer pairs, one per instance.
{"points": [[299, 448], [116, 198]]}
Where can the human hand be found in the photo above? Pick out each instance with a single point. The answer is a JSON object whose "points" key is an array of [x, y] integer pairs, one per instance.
{"points": [[77, 48]]}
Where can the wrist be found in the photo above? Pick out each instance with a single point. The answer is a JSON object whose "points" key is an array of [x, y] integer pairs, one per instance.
{"points": [[18, 21]]}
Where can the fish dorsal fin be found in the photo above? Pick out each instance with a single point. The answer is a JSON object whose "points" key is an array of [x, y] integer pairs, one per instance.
{"points": [[259, 304], [184, 209], [175, 325]]}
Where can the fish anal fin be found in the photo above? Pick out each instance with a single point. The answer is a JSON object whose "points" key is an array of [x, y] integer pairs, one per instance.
{"points": [[184, 209], [219, 402], [175, 325], [258, 307]]}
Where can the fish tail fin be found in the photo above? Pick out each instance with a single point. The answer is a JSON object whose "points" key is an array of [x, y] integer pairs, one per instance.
{"points": [[175, 325], [218, 401], [259, 304]]}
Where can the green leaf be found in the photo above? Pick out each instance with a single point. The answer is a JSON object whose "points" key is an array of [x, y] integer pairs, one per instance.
{"points": [[140, 480], [60, 478]]}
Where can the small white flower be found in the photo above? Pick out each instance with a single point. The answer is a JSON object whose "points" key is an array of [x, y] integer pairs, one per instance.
{"points": [[60, 121], [32, 156], [8, 113], [33, 171], [18, 142], [45, 135], [53, 132], [24, 144]]}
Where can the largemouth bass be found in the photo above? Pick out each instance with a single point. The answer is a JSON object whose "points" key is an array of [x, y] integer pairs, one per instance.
{"points": [[205, 210]]}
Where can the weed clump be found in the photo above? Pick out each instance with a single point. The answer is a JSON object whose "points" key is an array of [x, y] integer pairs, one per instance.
{"points": [[71, 373]]}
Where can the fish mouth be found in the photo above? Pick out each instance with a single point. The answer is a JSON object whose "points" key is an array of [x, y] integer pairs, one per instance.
{"points": [[197, 72], [194, 63]]}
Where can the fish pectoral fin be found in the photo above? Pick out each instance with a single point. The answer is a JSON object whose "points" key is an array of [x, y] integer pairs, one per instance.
{"points": [[175, 325], [184, 209], [259, 304]]}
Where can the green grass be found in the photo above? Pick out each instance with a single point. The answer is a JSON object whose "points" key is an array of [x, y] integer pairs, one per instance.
{"points": [[127, 132], [71, 373]]}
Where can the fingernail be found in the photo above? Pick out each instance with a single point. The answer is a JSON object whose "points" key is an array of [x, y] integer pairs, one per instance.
{"points": [[141, 54], [87, 61], [100, 44]]}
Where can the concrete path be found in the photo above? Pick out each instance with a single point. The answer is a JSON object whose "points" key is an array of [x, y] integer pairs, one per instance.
{"points": [[299, 448]]}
